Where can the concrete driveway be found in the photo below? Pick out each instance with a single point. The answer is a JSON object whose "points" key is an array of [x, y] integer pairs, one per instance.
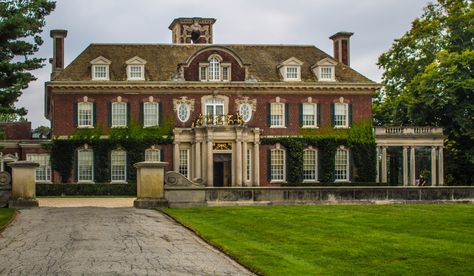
{"points": [[106, 241]]}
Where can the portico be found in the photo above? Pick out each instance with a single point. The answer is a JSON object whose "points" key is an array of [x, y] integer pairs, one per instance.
{"points": [[402, 148], [220, 155]]}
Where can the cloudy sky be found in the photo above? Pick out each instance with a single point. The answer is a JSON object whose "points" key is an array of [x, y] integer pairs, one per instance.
{"points": [[376, 23]]}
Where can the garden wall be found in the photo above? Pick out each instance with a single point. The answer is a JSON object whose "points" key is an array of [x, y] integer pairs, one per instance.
{"points": [[210, 196]]}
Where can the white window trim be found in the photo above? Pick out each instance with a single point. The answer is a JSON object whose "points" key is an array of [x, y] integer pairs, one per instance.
{"points": [[248, 173], [316, 180], [325, 63], [315, 108], [290, 63], [188, 162], [219, 67], [157, 114], [94, 68], [92, 173], [320, 74], [142, 72], [250, 113], [125, 171], [346, 125], [100, 61], [29, 157], [347, 179], [284, 114], [298, 73], [112, 114], [155, 151], [91, 125], [187, 110], [284, 166], [229, 71], [206, 68]]}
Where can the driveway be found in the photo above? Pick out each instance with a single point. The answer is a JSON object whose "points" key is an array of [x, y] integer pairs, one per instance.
{"points": [[106, 241]]}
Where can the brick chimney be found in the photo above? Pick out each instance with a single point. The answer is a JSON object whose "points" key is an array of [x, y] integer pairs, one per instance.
{"points": [[57, 61], [187, 30], [342, 47]]}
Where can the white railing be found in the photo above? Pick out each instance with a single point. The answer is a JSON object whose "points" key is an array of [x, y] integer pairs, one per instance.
{"points": [[408, 131]]}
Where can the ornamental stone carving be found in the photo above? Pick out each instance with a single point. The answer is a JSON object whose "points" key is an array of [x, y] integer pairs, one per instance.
{"points": [[245, 100], [183, 100]]}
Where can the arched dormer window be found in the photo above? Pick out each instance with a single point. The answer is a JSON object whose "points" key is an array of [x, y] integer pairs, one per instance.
{"points": [[214, 70]]}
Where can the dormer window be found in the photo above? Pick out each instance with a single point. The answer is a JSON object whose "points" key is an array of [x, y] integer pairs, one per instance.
{"points": [[325, 70], [136, 68], [215, 70], [290, 69], [100, 68]]}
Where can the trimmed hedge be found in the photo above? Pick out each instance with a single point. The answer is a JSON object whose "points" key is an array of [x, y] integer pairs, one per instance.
{"points": [[98, 189]]}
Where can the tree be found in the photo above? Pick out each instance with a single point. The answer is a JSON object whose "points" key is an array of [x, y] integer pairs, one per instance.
{"points": [[21, 22], [42, 131], [429, 80]]}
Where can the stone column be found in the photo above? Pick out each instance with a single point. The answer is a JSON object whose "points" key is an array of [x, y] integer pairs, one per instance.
{"points": [[377, 165], [384, 164], [440, 167], [405, 165], [244, 163], [192, 161], [412, 166], [433, 166], [210, 165], [197, 159], [176, 156], [238, 162], [256, 164], [23, 184], [150, 185]]}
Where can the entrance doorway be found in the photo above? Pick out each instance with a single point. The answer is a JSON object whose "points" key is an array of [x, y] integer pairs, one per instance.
{"points": [[222, 170]]}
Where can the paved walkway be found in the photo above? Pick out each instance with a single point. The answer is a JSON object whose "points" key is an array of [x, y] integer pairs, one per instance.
{"points": [[106, 241], [108, 202]]}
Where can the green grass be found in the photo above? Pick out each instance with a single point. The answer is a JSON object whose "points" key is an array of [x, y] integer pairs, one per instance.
{"points": [[341, 240], [5, 216]]}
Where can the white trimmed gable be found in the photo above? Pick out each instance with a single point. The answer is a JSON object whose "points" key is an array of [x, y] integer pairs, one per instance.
{"points": [[136, 68], [290, 69], [136, 60], [100, 68], [101, 61], [325, 69]]}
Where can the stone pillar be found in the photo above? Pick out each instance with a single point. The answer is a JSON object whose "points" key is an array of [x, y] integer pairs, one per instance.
{"points": [[244, 163], [440, 167], [210, 164], [433, 166], [412, 166], [384, 164], [238, 162], [192, 161], [256, 164], [150, 185], [176, 156], [377, 165], [23, 184], [197, 159], [405, 166]]}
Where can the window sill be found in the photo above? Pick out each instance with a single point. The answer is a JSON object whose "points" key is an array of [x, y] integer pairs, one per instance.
{"points": [[310, 181], [118, 182], [152, 126], [342, 181], [310, 127], [100, 79], [118, 126], [85, 182], [85, 127], [278, 127], [278, 181], [44, 182], [342, 127]]}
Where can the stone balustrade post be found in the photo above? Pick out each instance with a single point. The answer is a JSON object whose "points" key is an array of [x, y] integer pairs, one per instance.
{"points": [[150, 185], [23, 184]]}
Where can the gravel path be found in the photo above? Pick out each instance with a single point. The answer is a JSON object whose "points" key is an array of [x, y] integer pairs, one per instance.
{"points": [[106, 241]]}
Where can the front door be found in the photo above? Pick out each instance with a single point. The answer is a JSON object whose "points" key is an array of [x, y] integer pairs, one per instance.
{"points": [[222, 170]]}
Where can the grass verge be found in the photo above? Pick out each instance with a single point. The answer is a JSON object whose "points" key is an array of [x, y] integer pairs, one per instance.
{"points": [[339, 240], [6, 216]]}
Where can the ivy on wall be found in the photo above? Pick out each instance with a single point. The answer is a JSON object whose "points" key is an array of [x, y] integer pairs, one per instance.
{"points": [[359, 139], [133, 139]]}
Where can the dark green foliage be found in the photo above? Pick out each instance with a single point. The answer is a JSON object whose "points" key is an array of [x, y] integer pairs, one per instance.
{"points": [[97, 189], [359, 138], [20, 27]]}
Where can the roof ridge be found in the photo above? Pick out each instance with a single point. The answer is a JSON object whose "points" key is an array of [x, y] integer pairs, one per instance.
{"points": [[203, 45]]}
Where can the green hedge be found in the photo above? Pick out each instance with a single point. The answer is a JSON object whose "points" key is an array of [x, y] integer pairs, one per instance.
{"points": [[337, 184], [98, 189]]}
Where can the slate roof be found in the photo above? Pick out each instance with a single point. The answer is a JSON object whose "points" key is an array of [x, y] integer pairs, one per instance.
{"points": [[163, 59]]}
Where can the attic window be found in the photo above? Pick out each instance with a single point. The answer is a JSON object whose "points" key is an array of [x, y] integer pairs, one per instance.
{"points": [[100, 68], [290, 69], [214, 70], [326, 73], [292, 73], [136, 68], [325, 69]]}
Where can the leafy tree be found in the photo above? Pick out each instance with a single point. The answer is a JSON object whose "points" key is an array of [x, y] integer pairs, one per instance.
{"points": [[42, 131], [21, 22], [429, 80]]}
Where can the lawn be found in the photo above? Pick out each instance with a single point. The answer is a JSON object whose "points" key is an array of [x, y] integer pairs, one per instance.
{"points": [[342, 239], [5, 216]]}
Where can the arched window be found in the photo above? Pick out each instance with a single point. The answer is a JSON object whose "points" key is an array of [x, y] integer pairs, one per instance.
{"points": [[310, 165], [214, 69], [341, 165], [118, 166]]}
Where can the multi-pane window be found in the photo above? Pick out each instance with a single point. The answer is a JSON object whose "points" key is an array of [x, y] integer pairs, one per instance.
{"points": [[84, 114], [342, 165], [277, 165], [310, 165], [245, 111], [183, 112], [214, 107], [214, 69], [119, 114], [150, 114], [184, 162], [277, 117], [326, 73], [118, 166], [225, 73], [43, 172], [203, 73], [249, 165], [85, 165], [309, 115], [136, 72], [341, 111], [152, 155], [292, 73], [100, 72]]}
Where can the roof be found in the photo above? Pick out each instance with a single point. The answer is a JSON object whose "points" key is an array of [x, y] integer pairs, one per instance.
{"points": [[163, 59]]}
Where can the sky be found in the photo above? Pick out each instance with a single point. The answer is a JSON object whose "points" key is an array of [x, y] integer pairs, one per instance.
{"points": [[375, 23]]}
